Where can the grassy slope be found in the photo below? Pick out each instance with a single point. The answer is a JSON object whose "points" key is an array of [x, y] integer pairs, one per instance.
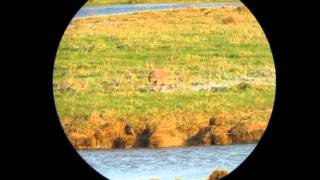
{"points": [[102, 65], [106, 2]]}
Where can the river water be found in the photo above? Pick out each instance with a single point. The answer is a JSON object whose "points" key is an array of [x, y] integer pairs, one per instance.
{"points": [[131, 8], [186, 163]]}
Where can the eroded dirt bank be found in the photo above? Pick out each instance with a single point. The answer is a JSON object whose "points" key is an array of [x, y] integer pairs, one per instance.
{"points": [[118, 134]]}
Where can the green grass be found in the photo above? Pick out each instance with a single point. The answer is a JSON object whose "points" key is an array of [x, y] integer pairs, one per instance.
{"points": [[103, 62], [108, 2], [82, 104]]}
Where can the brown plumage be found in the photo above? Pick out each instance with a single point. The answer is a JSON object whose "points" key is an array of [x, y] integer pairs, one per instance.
{"points": [[158, 78]]}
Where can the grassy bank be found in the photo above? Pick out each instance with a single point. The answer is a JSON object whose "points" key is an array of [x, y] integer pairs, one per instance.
{"points": [[110, 2], [101, 69]]}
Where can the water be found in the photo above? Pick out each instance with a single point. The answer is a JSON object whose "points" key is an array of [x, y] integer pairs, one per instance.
{"points": [[131, 8], [186, 163]]}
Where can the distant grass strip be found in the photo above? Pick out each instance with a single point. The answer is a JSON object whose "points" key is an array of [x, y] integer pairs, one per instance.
{"points": [[111, 2]]}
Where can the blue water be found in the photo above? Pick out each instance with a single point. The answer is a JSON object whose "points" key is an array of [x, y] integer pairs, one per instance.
{"points": [[186, 163], [131, 8]]}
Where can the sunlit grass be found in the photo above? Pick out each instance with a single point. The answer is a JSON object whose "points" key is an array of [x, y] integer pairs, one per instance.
{"points": [[103, 62]]}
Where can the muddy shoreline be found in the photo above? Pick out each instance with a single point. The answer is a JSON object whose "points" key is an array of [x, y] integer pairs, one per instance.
{"points": [[119, 135]]}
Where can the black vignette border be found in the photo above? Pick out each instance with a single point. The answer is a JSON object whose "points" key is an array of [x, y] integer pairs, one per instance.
{"points": [[60, 160]]}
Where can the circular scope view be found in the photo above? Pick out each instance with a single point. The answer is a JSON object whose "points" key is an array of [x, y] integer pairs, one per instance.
{"points": [[164, 89]]}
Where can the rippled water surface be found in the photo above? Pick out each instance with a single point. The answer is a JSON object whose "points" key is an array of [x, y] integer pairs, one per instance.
{"points": [[187, 163], [131, 8]]}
